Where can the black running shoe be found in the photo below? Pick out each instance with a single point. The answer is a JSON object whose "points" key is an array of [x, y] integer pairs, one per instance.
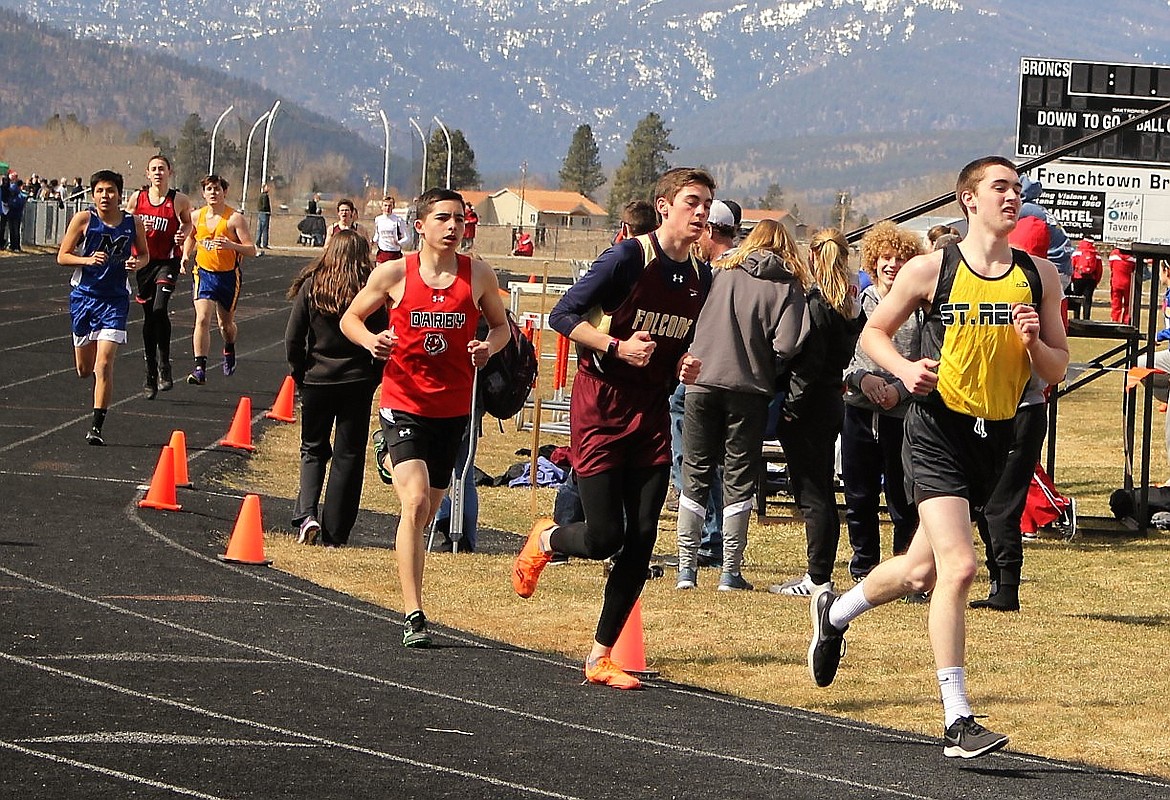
{"points": [[150, 386], [414, 631], [165, 381], [380, 451], [94, 437], [828, 642], [966, 738]]}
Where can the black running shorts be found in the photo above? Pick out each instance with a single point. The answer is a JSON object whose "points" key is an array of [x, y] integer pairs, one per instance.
{"points": [[157, 276], [948, 454], [433, 440]]}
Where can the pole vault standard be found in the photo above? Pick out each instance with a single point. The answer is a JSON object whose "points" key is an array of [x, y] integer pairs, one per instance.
{"points": [[1063, 150]]}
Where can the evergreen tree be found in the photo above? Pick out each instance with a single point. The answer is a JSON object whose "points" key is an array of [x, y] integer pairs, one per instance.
{"points": [[773, 199], [645, 163], [581, 170], [70, 129], [192, 154], [464, 175], [148, 138]]}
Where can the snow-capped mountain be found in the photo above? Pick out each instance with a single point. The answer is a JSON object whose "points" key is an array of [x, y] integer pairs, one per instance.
{"points": [[736, 81]]}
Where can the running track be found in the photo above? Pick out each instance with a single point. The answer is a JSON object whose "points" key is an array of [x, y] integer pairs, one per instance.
{"points": [[134, 663]]}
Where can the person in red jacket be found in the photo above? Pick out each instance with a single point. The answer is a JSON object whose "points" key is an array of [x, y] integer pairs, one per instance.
{"points": [[524, 245], [470, 222], [1121, 266], [1087, 271]]}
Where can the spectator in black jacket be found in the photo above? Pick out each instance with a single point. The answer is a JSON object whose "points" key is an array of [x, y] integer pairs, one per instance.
{"points": [[16, 200], [337, 379]]}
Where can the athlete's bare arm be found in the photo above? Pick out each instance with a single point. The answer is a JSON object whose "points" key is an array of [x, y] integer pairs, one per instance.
{"points": [[188, 255], [913, 289], [486, 288], [142, 249], [183, 212], [384, 288], [1042, 331], [74, 233], [239, 226]]}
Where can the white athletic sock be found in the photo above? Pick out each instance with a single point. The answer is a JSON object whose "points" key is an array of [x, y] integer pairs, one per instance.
{"points": [[546, 539], [849, 607], [952, 682]]}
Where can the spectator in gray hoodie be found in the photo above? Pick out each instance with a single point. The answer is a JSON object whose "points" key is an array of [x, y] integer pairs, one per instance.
{"points": [[754, 320]]}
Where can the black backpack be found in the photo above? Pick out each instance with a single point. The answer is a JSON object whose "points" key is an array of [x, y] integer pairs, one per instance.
{"points": [[506, 379]]}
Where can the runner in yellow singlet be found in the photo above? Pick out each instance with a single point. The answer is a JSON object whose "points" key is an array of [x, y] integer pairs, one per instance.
{"points": [[992, 316], [219, 242]]}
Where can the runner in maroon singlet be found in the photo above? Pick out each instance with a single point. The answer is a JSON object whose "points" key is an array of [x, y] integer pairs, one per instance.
{"points": [[634, 314]]}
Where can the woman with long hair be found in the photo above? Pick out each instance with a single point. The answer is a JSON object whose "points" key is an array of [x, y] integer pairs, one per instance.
{"points": [[754, 320], [336, 379], [814, 408]]}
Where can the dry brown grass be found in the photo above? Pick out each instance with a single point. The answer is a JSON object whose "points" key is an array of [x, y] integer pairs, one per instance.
{"points": [[1077, 675]]}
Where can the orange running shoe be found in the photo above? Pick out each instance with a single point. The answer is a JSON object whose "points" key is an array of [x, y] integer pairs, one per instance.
{"points": [[607, 673], [528, 565]]}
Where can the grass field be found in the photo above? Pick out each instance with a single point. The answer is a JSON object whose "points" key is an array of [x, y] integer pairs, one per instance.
{"points": [[1076, 675]]}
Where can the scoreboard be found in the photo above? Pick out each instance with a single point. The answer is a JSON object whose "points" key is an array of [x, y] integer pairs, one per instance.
{"points": [[1062, 101]]}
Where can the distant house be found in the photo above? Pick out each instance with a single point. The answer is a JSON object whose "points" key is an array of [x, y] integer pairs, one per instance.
{"points": [[553, 209], [921, 225], [750, 216]]}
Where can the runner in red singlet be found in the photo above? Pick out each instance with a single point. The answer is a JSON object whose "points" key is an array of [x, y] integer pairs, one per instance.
{"points": [[435, 297], [166, 215]]}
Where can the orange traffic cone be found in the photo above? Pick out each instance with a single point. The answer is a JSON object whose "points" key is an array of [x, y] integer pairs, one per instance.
{"points": [[162, 485], [179, 446], [629, 652], [240, 434], [532, 278], [282, 409], [247, 543]]}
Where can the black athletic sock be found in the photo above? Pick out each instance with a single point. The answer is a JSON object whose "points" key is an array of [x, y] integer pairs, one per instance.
{"points": [[229, 348], [201, 362], [99, 419]]}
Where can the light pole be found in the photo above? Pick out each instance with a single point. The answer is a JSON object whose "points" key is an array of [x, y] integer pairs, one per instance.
{"points": [[523, 180], [423, 182], [386, 163], [447, 136], [267, 133], [248, 157], [214, 131]]}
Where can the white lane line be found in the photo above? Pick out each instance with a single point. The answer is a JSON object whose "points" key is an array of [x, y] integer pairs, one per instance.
{"points": [[112, 773], [156, 658], [261, 726], [449, 633], [454, 699], [134, 351], [23, 320], [134, 398], [149, 738]]}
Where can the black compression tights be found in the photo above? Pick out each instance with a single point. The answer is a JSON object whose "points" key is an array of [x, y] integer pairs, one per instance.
{"points": [[156, 328], [621, 512]]}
